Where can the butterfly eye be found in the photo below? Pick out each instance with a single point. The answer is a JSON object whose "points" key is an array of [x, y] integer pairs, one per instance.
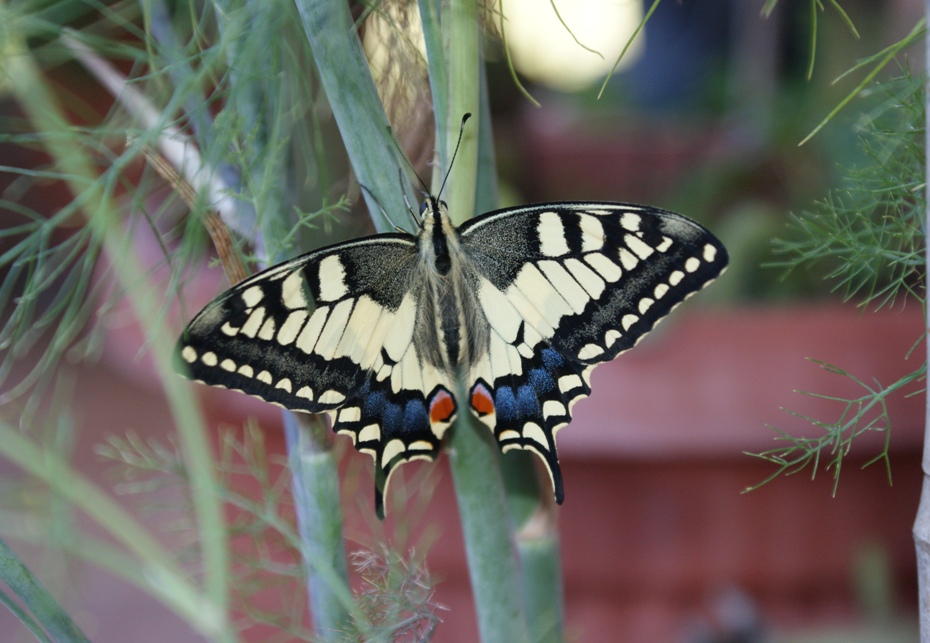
{"points": [[424, 206]]}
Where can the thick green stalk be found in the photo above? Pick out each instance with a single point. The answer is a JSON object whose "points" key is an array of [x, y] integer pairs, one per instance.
{"points": [[533, 513], [474, 459], [316, 496], [357, 108], [40, 104]]}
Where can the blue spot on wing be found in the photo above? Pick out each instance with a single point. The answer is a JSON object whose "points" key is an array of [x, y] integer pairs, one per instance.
{"points": [[416, 416], [528, 402], [505, 405]]}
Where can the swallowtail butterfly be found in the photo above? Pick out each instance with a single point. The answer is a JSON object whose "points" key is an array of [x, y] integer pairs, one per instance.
{"points": [[521, 303]]}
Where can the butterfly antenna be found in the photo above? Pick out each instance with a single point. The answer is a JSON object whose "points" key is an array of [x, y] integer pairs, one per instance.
{"points": [[381, 207], [456, 151], [400, 179]]}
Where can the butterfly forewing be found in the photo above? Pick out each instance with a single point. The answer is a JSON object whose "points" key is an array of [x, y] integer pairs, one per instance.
{"points": [[333, 331]]}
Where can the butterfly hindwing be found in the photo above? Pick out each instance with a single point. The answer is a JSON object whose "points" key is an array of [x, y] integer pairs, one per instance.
{"points": [[332, 331], [565, 286]]}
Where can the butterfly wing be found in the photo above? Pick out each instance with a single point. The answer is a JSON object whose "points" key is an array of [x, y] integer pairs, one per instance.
{"points": [[333, 331], [565, 286]]}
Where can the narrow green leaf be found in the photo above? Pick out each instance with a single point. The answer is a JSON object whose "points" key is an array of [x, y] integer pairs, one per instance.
{"points": [[892, 51], [629, 42], [357, 108], [47, 611]]}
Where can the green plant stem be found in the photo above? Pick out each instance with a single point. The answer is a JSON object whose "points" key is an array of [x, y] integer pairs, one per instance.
{"points": [[538, 546], [316, 499], [473, 456], [209, 614], [363, 125], [533, 514]]}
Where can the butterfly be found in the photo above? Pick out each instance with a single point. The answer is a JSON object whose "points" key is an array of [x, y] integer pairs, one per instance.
{"points": [[519, 304]]}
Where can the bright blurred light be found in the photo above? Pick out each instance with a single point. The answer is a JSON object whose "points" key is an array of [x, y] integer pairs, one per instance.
{"points": [[544, 50]]}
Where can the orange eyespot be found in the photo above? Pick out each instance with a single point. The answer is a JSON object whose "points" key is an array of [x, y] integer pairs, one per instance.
{"points": [[481, 400], [441, 407]]}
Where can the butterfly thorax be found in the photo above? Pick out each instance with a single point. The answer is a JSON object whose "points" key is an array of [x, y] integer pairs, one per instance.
{"points": [[443, 321]]}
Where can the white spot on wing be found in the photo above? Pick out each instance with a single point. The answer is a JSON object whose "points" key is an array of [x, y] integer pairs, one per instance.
{"points": [[400, 333], [710, 253], [676, 277], [551, 233], [292, 290], [264, 377], [660, 291], [565, 284], [639, 247], [311, 332], [645, 304], [189, 354], [254, 322], [611, 336], [589, 350], [692, 264], [630, 221], [284, 385], [252, 295], [371, 433], [331, 397], [628, 320], [592, 233], [228, 365], [498, 310], [392, 449], [553, 408], [604, 266], [291, 327], [332, 331], [305, 392], [246, 371], [266, 332], [509, 434], [627, 258], [569, 382], [332, 278], [209, 358], [534, 432], [588, 279], [229, 329]]}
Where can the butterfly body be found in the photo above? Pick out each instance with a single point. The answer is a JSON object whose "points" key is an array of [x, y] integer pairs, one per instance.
{"points": [[518, 304]]}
